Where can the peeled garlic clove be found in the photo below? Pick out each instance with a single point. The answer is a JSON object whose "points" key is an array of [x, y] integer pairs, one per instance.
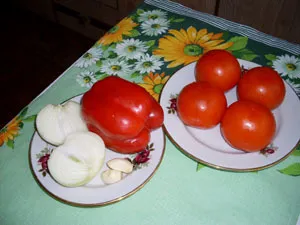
{"points": [[78, 160], [111, 176], [55, 122], [119, 164]]}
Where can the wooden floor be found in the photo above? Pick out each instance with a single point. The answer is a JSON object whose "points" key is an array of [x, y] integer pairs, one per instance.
{"points": [[34, 53]]}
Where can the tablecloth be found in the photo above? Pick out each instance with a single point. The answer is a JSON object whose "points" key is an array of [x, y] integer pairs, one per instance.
{"points": [[147, 47]]}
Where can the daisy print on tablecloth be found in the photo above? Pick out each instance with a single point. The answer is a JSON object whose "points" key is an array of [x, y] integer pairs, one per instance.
{"points": [[131, 49], [86, 79], [147, 64], [287, 65], [89, 58], [155, 27], [152, 15], [115, 67], [187, 46]]}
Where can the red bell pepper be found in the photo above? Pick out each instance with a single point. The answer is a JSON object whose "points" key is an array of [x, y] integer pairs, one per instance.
{"points": [[121, 113]]}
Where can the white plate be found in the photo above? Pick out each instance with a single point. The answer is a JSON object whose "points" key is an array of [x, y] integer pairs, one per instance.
{"points": [[96, 193], [208, 146]]}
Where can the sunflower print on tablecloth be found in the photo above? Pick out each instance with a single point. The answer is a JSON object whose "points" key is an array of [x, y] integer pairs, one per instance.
{"points": [[12, 130], [187, 46], [154, 83], [115, 34], [9, 132]]}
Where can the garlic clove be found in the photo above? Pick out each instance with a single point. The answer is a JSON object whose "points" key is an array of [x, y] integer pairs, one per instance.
{"points": [[120, 164], [111, 176], [55, 122]]}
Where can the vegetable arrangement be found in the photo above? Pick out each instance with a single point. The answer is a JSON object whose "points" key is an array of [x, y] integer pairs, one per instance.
{"points": [[248, 124], [120, 115], [114, 113]]}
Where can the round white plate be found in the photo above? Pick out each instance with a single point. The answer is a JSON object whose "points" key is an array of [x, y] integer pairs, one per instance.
{"points": [[96, 193], [209, 147]]}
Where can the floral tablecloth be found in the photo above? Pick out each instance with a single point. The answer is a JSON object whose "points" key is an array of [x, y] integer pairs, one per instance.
{"points": [[147, 47]]}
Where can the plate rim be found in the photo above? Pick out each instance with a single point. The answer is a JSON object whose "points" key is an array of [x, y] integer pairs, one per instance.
{"points": [[212, 165], [88, 205]]}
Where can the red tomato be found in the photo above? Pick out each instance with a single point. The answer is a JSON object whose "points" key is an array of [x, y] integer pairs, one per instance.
{"points": [[262, 85], [248, 126], [219, 68], [201, 105]]}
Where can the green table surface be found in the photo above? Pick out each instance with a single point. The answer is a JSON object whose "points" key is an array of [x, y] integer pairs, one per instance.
{"points": [[181, 191]]}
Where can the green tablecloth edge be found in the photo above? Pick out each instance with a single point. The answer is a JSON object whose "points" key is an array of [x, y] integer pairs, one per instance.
{"points": [[224, 24]]}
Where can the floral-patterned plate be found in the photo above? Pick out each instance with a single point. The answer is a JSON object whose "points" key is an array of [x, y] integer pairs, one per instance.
{"points": [[208, 146], [96, 193]]}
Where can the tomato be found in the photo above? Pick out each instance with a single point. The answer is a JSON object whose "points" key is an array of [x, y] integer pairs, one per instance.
{"points": [[219, 68], [201, 105], [262, 85], [248, 126]]}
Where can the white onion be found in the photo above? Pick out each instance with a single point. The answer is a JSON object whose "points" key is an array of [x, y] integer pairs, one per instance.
{"points": [[78, 160], [55, 122]]}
